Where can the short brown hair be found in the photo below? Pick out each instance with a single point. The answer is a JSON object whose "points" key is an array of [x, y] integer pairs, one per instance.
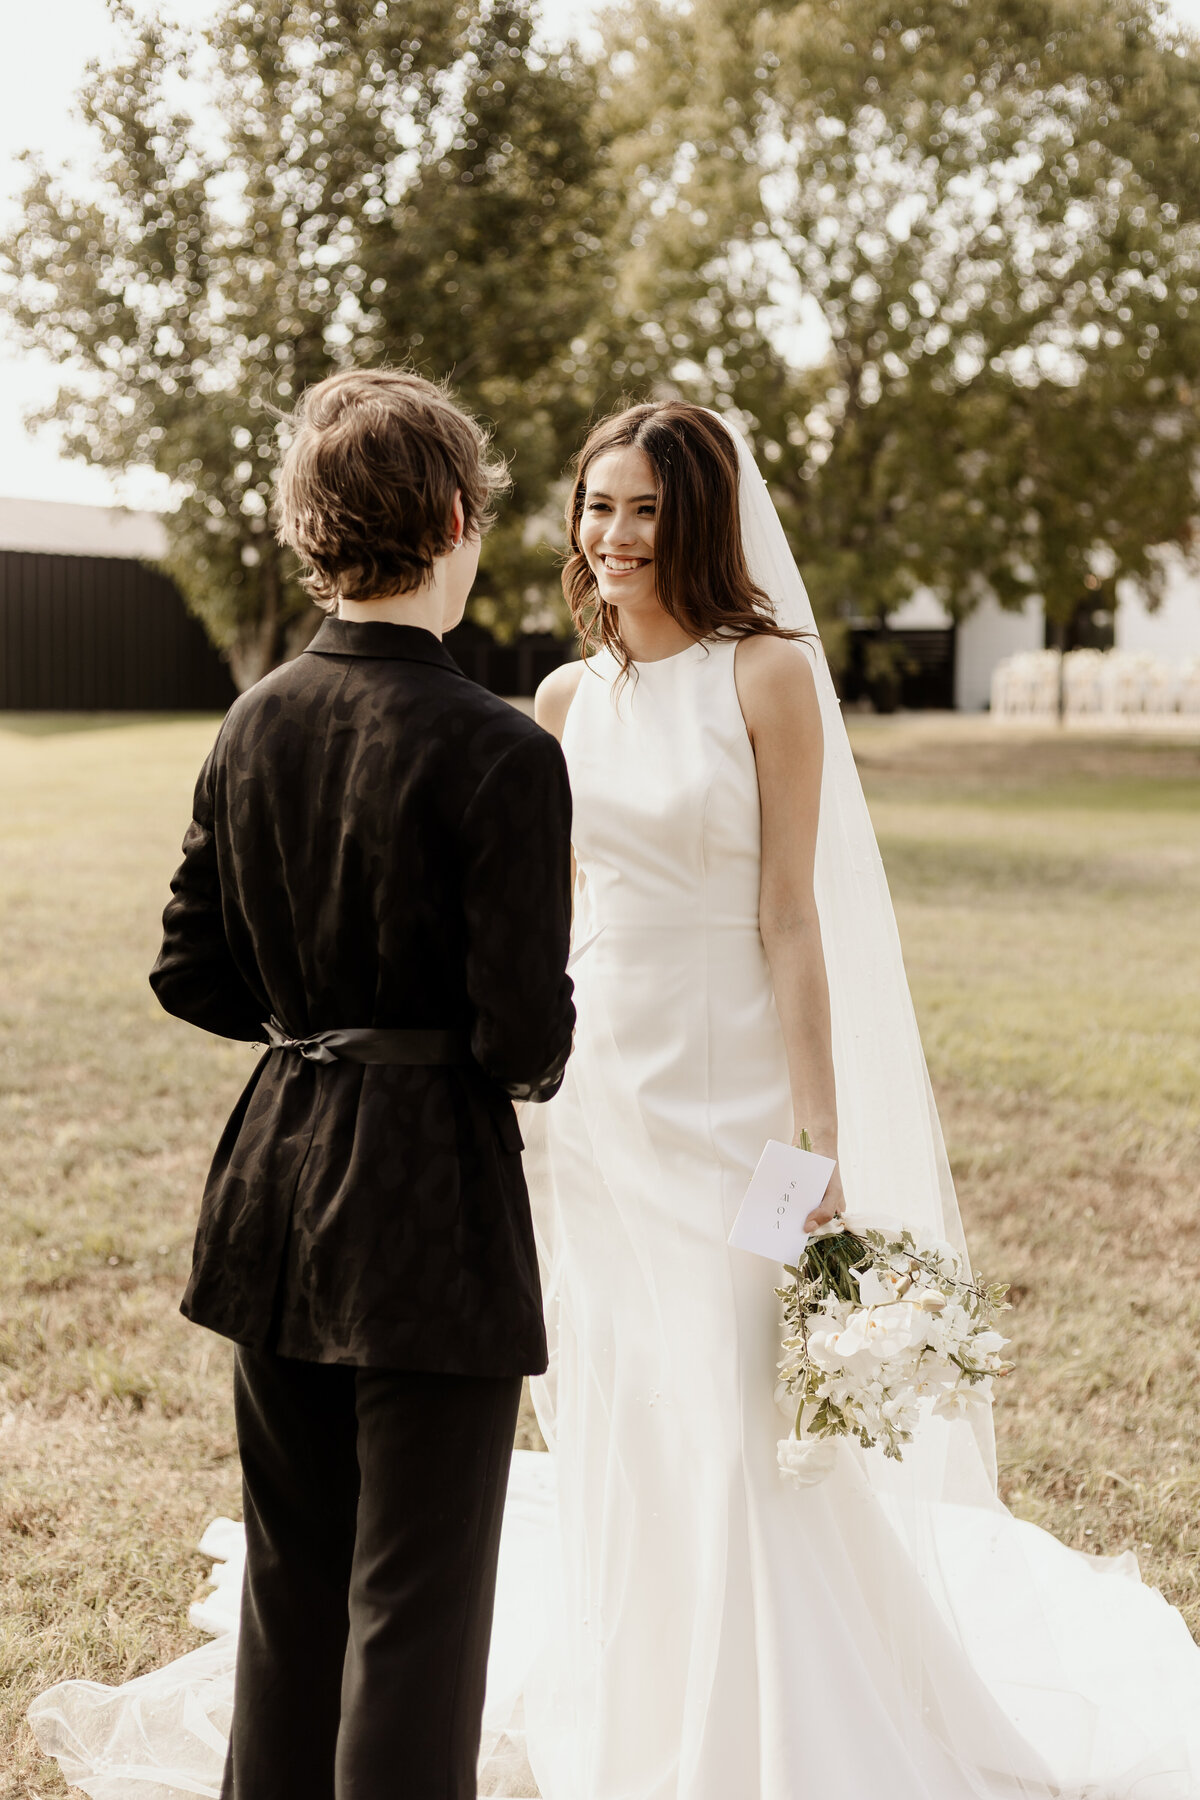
{"points": [[365, 493], [700, 573]]}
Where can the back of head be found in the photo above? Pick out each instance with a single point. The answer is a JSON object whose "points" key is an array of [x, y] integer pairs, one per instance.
{"points": [[366, 489]]}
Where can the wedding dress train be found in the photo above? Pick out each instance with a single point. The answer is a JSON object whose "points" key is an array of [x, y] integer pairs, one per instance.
{"points": [[162, 1736]]}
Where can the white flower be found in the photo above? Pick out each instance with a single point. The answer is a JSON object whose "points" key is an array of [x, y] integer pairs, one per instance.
{"points": [[959, 1402], [900, 1415], [876, 1286], [883, 1332], [936, 1377], [829, 1347], [938, 1250], [951, 1328], [806, 1461], [929, 1300]]}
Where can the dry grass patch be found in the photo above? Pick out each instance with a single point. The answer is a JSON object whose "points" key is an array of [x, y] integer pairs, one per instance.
{"points": [[1047, 893]]}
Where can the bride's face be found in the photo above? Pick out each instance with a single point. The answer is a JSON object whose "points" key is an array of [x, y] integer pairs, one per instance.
{"points": [[616, 528]]}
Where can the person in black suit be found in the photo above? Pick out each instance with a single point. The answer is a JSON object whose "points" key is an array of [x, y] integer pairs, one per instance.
{"points": [[376, 882]]}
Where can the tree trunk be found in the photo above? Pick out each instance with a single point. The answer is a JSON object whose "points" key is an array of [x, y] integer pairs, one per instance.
{"points": [[1058, 632], [257, 649]]}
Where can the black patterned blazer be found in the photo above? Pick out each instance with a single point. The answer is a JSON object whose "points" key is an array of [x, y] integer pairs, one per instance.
{"points": [[376, 841]]}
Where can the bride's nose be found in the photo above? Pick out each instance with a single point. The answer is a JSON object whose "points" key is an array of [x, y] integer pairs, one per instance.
{"points": [[621, 532]]}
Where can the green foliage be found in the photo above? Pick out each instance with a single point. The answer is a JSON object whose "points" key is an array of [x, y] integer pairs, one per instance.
{"points": [[942, 265], [353, 183], [984, 218]]}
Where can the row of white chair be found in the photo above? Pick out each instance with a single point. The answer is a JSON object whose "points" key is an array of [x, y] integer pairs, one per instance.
{"points": [[1095, 683]]}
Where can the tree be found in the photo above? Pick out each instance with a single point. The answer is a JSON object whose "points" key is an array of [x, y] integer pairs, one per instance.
{"points": [[351, 183], [981, 222]]}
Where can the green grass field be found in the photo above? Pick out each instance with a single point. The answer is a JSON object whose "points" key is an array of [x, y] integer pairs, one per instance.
{"points": [[1048, 891]]}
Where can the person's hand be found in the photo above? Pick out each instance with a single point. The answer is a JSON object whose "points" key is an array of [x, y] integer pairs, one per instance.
{"points": [[833, 1202]]}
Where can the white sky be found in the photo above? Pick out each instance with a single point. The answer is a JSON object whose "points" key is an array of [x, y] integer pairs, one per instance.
{"points": [[43, 63]]}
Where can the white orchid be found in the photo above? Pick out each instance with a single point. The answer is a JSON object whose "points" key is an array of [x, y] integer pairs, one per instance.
{"points": [[962, 1399], [881, 1332], [878, 1284], [806, 1461]]}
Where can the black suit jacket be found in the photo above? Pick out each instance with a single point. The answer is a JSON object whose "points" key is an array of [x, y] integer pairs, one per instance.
{"points": [[376, 841]]}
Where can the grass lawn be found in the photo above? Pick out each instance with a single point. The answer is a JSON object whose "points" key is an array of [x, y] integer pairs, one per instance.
{"points": [[1048, 890]]}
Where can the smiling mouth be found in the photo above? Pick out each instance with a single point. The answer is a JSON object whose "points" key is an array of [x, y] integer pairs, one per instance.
{"points": [[623, 565]]}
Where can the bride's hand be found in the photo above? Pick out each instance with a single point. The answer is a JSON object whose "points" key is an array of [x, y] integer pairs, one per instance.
{"points": [[833, 1203]]}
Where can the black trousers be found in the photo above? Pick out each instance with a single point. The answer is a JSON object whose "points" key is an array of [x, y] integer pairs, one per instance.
{"points": [[373, 1504]]}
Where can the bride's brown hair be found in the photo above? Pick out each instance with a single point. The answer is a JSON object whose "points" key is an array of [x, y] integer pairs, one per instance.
{"points": [[700, 573]]}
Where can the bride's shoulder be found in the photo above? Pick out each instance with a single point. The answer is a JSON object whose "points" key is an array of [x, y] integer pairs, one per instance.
{"points": [[778, 697], [552, 702], [773, 672]]}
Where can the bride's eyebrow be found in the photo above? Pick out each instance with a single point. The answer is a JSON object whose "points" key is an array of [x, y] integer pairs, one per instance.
{"points": [[598, 494]]}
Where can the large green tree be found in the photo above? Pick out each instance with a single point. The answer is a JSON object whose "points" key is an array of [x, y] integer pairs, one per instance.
{"points": [[943, 260], [301, 186]]}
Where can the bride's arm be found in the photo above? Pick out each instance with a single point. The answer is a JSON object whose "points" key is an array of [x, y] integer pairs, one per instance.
{"points": [[778, 698]]}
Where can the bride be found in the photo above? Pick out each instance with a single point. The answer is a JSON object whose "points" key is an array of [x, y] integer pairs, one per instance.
{"points": [[710, 1632], [721, 1635]]}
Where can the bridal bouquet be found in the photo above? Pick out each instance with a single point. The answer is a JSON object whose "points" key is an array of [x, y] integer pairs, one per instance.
{"points": [[875, 1326]]}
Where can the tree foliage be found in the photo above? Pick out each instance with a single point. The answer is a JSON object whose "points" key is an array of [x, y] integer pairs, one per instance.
{"points": [[944, 262], [346, 183], [941, 261]]}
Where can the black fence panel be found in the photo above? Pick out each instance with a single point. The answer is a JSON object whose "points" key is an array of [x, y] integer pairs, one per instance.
{"points": [[101, 634], [510, 669], [911, 668]]}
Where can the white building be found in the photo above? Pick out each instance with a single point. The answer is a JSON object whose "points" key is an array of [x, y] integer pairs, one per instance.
{"points": [[53, 527], [991, 633], [1173, 632]]}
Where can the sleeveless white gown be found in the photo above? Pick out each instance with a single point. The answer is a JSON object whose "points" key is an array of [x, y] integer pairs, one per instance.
{"points": [[709, 1632], [725, 1636]]}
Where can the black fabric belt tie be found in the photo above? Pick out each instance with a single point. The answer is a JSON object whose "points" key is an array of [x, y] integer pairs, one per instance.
{"points": [[368, 1044]]}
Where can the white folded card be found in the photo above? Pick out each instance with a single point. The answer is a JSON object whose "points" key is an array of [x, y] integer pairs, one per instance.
{"points": [[787, 1185]]}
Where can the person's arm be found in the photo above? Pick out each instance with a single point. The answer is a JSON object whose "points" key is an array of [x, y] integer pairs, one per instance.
{"points": [[779, 703], [517, 905], [552, 702], [195, 976]]}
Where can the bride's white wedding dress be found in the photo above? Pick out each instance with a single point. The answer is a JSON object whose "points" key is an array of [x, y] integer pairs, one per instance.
{"points": [[726, 1636], [706, 1631]]}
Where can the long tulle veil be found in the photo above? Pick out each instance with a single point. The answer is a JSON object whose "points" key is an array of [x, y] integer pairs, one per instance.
{"points": [[891, 1147], [892, 1153]]}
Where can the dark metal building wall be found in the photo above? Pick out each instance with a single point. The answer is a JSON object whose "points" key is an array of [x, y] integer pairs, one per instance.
{"points": [[108, 634], [101, 634]]}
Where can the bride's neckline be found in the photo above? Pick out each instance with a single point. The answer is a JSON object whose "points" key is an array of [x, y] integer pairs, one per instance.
{"points": [[656, 662]]}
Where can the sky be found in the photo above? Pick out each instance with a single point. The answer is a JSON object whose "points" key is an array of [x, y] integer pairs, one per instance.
{"points": [[39, 75]]}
